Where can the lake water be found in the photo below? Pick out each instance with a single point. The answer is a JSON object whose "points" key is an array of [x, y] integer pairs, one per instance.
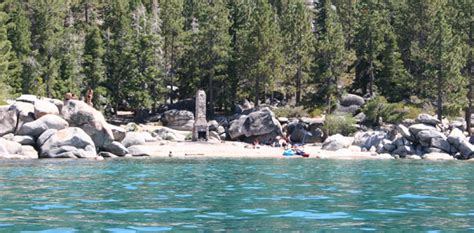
{"points": [[235, 195]]}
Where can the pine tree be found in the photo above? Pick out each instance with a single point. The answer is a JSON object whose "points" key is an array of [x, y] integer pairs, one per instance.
{"points": [[120, 60], [29, 73], [143, 89], [7, 57], [239, 13], [297, 34], [413, 30], [330, 54], [393, 80], [263, 59], [93, 63], [445, 60], [369, 43], [47, 32], [172, 32], [70, 67], [211, 43]]}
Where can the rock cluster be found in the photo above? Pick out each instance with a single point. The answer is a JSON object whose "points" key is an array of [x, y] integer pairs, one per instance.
{"points": [[428, 138], [48, 128]]}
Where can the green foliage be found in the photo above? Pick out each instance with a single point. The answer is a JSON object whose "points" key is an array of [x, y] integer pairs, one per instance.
{"points": [[290, 112], [297, 47], [4, 94], [262, 59], [143, 53], [337, 124], [330, 55], [412, 112], [378, 110]]}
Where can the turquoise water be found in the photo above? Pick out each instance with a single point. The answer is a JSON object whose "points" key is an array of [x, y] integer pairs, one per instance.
{"points": [[235, 195]]}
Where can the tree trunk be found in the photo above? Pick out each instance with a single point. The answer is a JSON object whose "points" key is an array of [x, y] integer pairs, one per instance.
{"points": [[298, 86], [371, 78], [470, 70], [257, 91], [440, 75], [211, 93], [86, 12]]}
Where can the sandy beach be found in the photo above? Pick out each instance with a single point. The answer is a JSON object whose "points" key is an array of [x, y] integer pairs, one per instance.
{"points": [[242, 150]]}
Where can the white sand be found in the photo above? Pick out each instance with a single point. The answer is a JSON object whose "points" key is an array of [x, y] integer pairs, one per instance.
{"points": [[243, 150]]}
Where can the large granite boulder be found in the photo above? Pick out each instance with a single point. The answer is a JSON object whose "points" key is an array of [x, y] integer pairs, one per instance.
{"points": [[436, 156], [25, 98], [138, 151], [351, 99], [178, 119], [300, 135], [69, 143], [168, 134], [405, 132], [337, 142], [37, 127], [415, 129], [427, 119], [118, 132], [45, 136], [134, 139], [116, 148], [425, 137], [44, 107], [24, 140], [80, 114], [236, 128], [456, 137], [370, 139], [25, 113], [260, 123], [466, 149], [29, 152], [8, 120], [9, 147]]}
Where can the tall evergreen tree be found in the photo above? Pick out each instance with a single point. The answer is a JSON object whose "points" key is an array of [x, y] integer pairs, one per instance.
{"points": [[393, 80], [47, 32], [93, 63], [445, 61], [263, 58], [369, 43], [172, 32], [7, 57], [211, 43], [119, 57], [70, 54], [297, 34], [239, 14], [330, 53]]}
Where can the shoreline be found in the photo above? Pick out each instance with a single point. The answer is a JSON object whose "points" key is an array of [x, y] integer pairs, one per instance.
{"points": [[241, 150]]}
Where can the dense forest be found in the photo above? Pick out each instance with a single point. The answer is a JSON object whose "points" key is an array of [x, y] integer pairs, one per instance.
{"points": [[138, 54]]}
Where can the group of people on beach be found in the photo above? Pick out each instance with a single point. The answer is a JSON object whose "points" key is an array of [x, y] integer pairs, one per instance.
{"points": [[283, 141]]}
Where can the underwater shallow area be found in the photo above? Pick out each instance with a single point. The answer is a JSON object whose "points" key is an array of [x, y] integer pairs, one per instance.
{"points": [[151, 195]]}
